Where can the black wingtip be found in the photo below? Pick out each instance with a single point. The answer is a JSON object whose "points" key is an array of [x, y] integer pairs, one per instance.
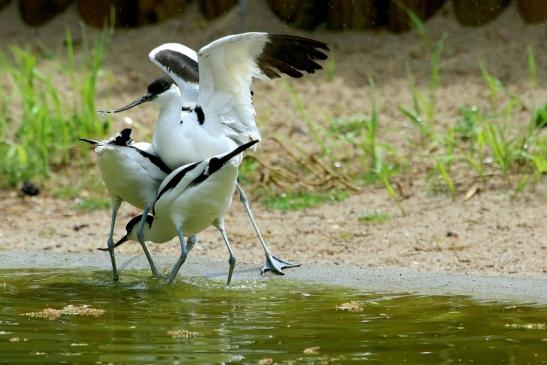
{"points": [[291, 55], [216, 163], [247, 145], [237, 151]]}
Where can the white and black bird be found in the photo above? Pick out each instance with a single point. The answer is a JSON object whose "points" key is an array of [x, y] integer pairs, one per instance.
{"points": [[132, 172], [190, 199], [215, 111]]}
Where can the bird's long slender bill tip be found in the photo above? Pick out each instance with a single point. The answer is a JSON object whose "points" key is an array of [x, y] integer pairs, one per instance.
{"points": [[103, 113], [90, 141], [134, 103]]}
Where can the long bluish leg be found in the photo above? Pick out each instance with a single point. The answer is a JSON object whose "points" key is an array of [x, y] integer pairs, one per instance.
{"points": [[116, 202], [184, 250], [273, 263], [219, 223], [140, 236]]}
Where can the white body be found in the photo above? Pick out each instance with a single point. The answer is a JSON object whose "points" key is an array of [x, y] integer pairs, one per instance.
{"points": [[213, 115], [220, 113], [179, 138], [193, 208], [128, 175], [226, 69]]}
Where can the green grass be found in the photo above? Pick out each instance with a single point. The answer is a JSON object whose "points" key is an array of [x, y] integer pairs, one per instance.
{"points": [[381, 159], [532, 67], [41, 120], [488, 144], [482, 143], [294, 200], [424, 101], [246, 170], [330, 68], [375, 217], [539, 117], [495, 87], [345, 140], [71, 188], [48, 114], [91, 204], [466, 127], [319, 134]]}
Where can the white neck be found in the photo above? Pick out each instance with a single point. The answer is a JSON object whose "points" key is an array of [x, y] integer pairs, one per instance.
{"points": [[169, 117]]}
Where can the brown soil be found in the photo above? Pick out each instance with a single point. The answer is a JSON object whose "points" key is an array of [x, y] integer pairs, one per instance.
{"points": [[493, 233]]}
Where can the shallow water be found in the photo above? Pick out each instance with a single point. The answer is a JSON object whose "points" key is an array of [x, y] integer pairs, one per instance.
{"points": [[251, 322]]}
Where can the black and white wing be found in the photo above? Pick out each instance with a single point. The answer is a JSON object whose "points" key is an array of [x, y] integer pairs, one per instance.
{"points": [[150, 160], [195, 173], [177, 181], [181, 64], [228, 65]]}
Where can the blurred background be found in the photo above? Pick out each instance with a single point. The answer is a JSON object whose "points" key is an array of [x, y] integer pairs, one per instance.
{"points": [[421, 143]]}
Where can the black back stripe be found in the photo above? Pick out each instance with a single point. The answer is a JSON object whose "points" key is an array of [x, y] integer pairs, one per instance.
{"points": [[216, 163], [180, 64], [289, 55], [200, 114], [154, 159], [213, 166], [175, 181]]}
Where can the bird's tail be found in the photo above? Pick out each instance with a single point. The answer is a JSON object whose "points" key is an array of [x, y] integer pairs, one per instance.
{"points": [[237, 151], [217, 162]]}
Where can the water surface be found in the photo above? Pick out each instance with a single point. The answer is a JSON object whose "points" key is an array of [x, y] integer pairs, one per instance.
{"points": [[200, 321]]}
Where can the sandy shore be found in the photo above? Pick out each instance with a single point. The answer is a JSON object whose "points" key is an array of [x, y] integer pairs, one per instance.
{"points": [[494, 233]]}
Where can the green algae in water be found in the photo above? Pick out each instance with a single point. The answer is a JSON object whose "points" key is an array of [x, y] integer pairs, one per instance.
{"points": [[200, 321]]}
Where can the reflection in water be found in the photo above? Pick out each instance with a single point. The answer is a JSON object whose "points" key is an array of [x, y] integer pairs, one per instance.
{"points": [[199, 321]]}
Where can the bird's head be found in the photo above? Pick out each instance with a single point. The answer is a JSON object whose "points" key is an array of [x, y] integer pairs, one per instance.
{"points": [[123, 138], [160, 91]]}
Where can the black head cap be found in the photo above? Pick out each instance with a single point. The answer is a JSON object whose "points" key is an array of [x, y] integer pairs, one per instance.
{"points": [[135, 221], [124, 137], [121, 139], [159, 86]]}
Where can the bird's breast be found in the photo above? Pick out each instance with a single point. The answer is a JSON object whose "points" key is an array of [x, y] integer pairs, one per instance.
{"points": [[188, 143], [198, 206], [125, 177]]}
